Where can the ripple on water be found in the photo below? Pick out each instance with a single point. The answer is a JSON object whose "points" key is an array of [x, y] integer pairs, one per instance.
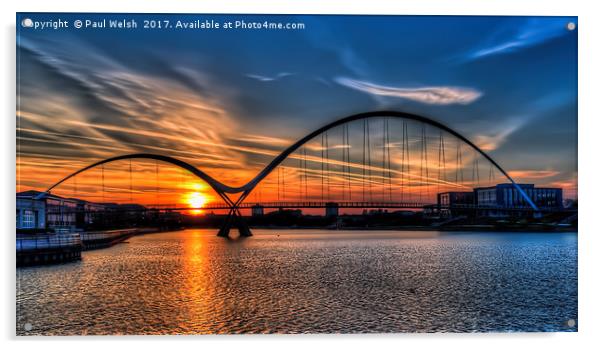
{"points": [[191, 282]]}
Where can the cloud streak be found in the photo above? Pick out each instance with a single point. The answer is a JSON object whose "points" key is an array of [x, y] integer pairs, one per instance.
{"points": [[499, 136], [439, 95], [532, 174], [264, 78], [532, 32]]}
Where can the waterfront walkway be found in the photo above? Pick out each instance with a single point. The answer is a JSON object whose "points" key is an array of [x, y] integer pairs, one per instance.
{"points": [[50, 248]]}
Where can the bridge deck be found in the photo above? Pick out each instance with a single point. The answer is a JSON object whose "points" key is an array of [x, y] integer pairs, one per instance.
{"points": [[341, 205]]}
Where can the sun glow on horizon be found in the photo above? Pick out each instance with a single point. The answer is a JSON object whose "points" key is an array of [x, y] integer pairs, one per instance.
{"points": [[196, 201]]}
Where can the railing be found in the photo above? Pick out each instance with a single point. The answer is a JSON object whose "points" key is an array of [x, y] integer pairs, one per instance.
{"points": [[47, 241], [301, 204], [65, 240], [342, 204], [495, 207]]}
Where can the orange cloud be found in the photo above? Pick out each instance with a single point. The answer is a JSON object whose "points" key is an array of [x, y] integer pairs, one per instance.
{"points": [[532, 174]]}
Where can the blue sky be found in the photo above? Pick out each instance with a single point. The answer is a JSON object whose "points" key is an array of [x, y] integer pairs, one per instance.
{"points": [[507, 83]]}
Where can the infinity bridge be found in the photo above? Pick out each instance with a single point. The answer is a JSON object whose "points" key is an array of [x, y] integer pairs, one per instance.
{"points": [[380, 159]]}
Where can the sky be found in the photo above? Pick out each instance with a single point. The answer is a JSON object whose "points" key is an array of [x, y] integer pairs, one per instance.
{"points": [[228, 101]]}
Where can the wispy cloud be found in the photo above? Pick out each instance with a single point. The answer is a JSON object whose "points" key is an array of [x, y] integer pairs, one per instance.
{"points": [[534, 31], [532, 174], [499, 135], [115, 110], [264, 78], [264, 140], [441, 95]]}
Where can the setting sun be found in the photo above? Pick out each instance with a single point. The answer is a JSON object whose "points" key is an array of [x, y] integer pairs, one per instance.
{"points": [[197, 201]]}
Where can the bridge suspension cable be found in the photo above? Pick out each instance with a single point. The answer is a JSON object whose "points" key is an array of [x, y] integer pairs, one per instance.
{"points": [[327, 169], [156, 181], [383, 163], [441, 177], [364, 162], [424, 170], [300, 175], [278, 182], [405, 159], [322, 169], [347, 148], [369, 149], [131, 184], [459, 166], [402, 146], [475, 170], [102, 175], [75, 186], [342, 183], [388, 148], [305, 169]]}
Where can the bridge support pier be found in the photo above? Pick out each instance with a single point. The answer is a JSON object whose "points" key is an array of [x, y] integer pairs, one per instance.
{"points": [[244, 230], [224, 231], [332, 209], [234, 219]]}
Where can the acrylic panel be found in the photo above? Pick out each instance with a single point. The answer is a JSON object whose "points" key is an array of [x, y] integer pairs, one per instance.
{"points": [[222, 174]]}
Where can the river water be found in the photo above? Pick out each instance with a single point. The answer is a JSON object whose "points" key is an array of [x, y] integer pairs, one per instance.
{"points": [[317, 281]]}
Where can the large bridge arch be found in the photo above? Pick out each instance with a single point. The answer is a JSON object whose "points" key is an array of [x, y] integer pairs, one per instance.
{"points": [[247, 188], [222, 189]]}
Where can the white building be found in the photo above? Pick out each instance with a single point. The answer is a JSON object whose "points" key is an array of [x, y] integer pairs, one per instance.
{"points": [[48, 212], [30, 213]]}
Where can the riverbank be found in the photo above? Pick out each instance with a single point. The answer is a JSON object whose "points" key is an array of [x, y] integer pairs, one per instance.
{"points": [[471, 228], [47, 248], [42, 249], [92, 240]]}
